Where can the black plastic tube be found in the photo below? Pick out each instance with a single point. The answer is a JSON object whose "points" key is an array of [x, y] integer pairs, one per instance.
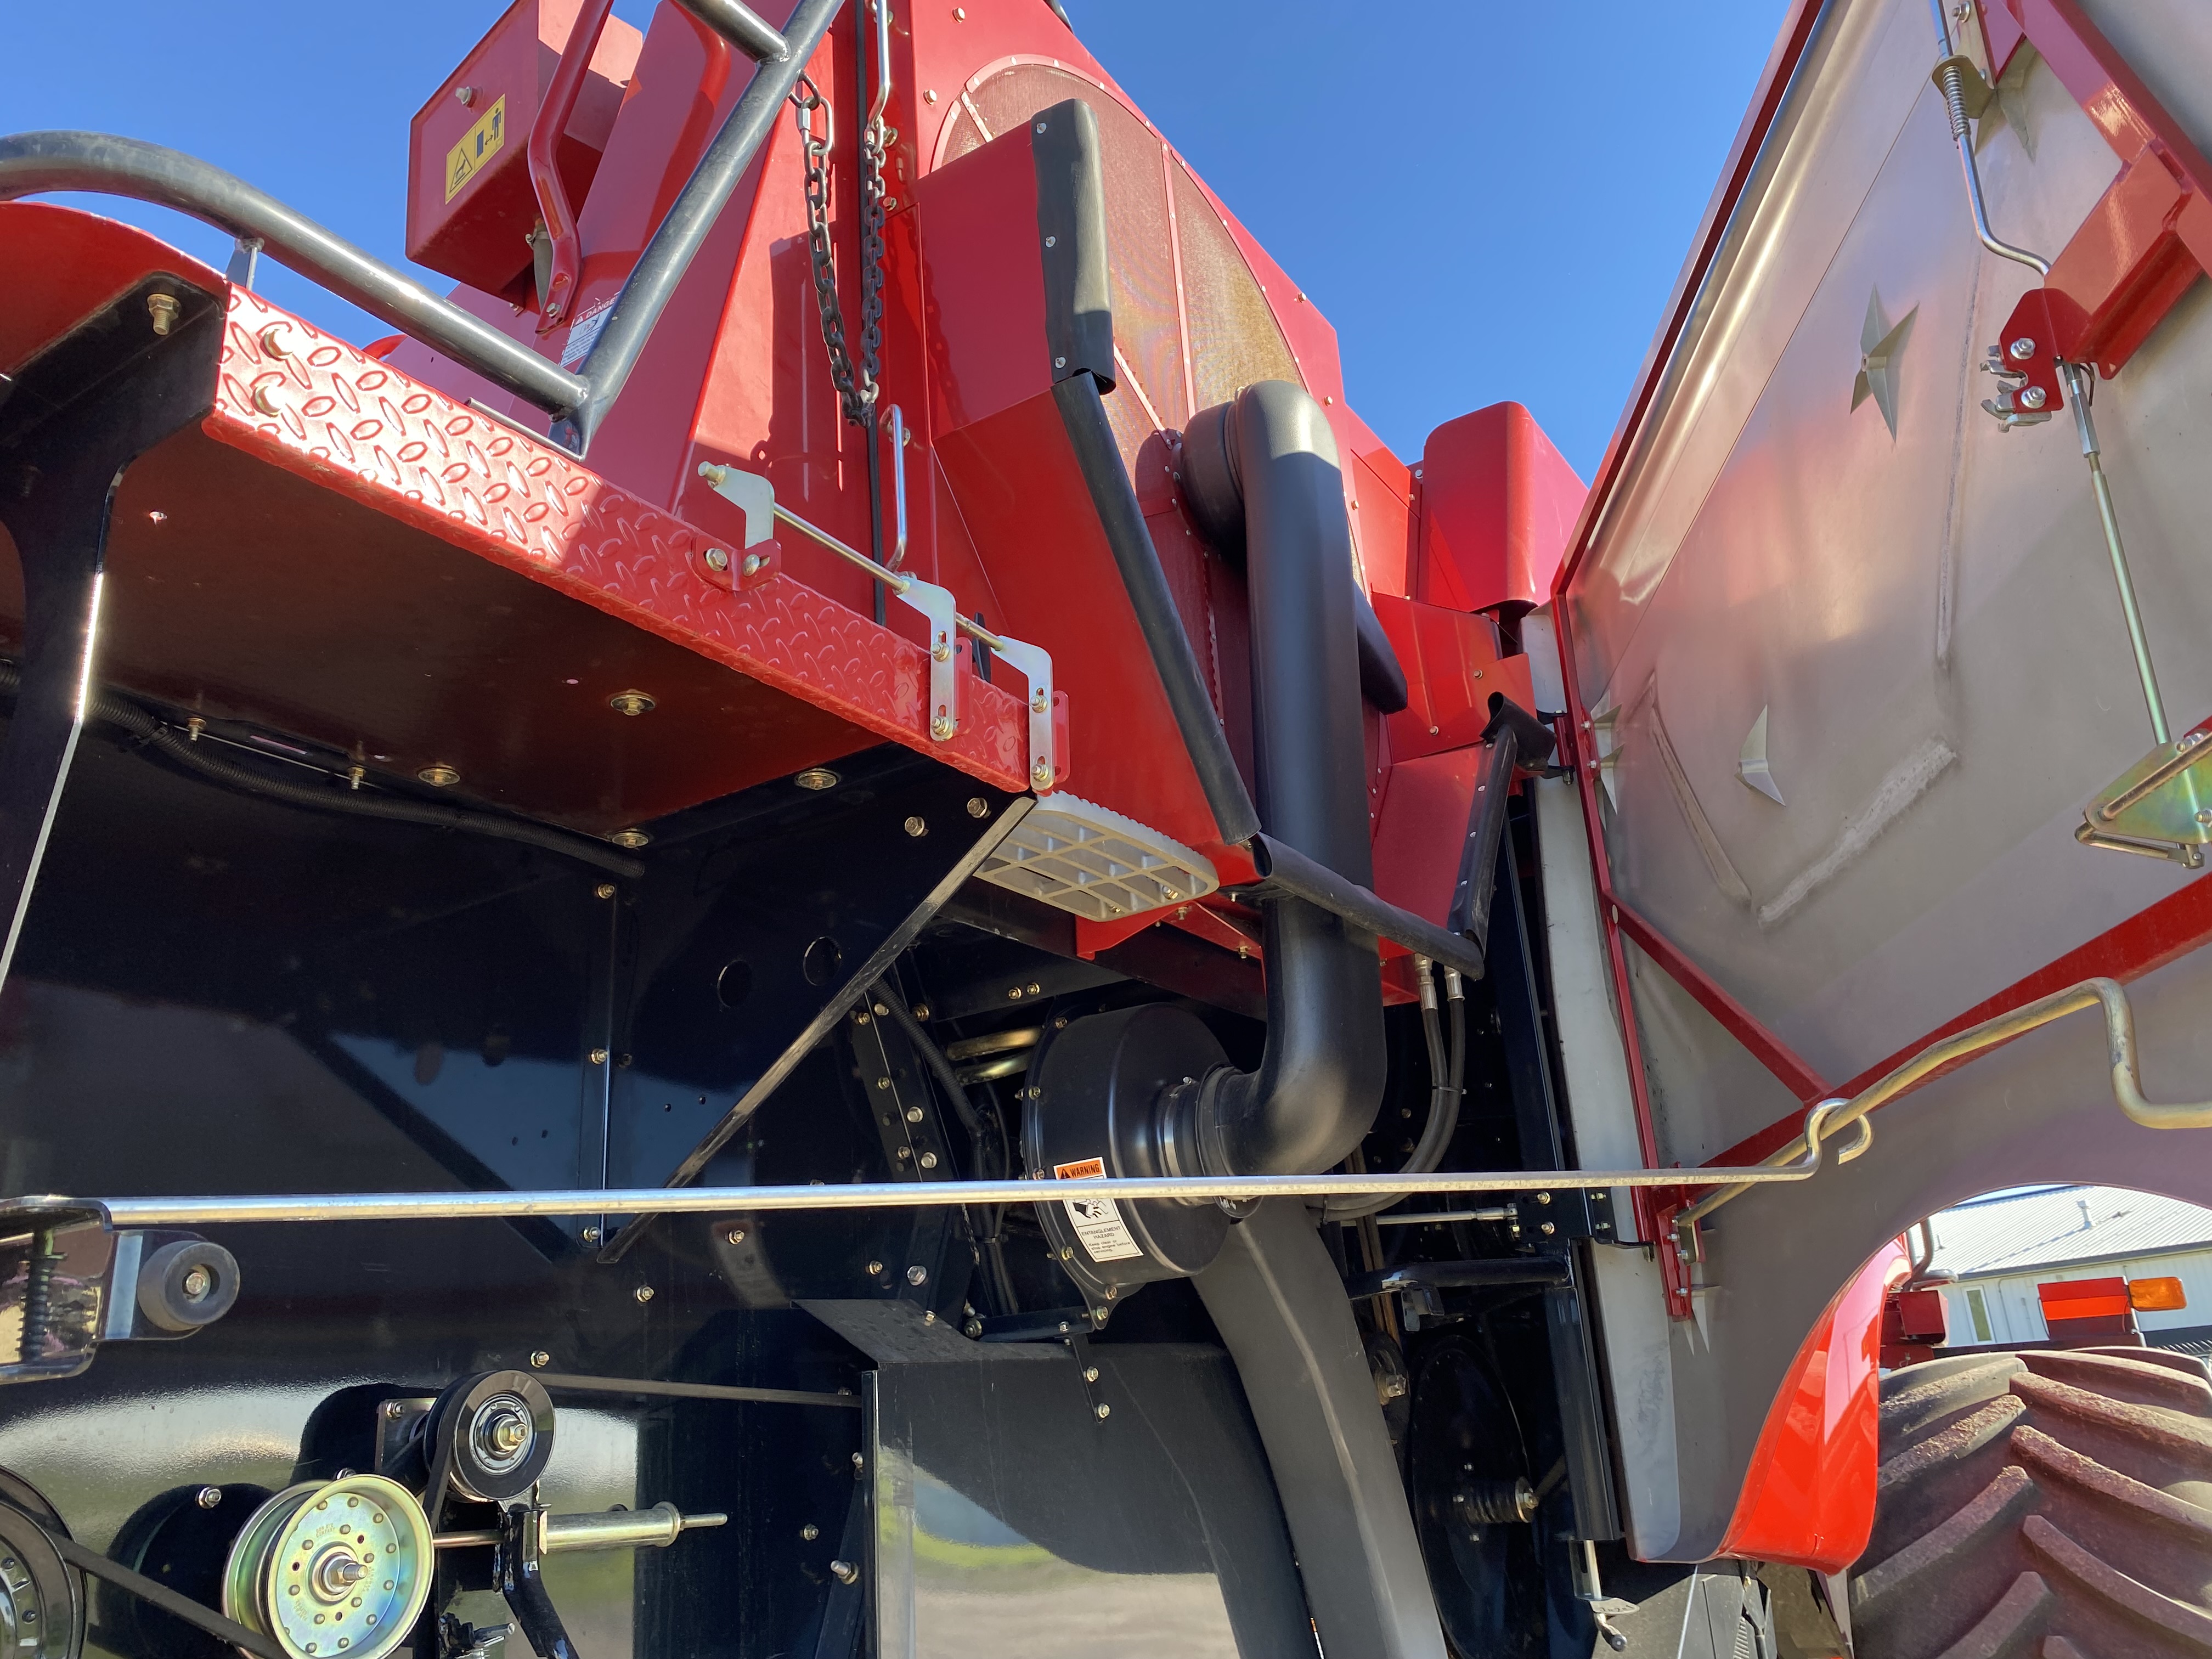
{"points": [[1321, 1076], [99, 162]]}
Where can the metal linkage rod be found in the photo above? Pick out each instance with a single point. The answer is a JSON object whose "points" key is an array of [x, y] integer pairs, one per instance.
{"points": [[1831, 1116], [2078, 390], [885, 1194], [1951, 78]]}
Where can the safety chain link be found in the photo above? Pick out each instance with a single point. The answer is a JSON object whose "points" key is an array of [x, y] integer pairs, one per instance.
{"points": [[856, 388]]}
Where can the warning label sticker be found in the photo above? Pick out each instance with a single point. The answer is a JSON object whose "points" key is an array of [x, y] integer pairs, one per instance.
{"points": [[1098, 1221], [478, 145]]}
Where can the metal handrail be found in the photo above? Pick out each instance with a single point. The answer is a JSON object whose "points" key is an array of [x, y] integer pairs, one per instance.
{"points": [[1829, 1116], [34, 163], [217, 1211]]}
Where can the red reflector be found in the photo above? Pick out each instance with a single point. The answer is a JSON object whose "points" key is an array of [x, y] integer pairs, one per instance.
{"points": [[2084, 1298], [2156, 1295]]}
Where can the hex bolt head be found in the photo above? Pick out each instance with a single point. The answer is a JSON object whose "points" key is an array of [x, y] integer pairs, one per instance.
{"points": [[632, 703], [606, 889], [752, 565], [929, 1160], [1041, 775], [942, 728], [974, 1328], [1067, 1253], [598, 1056], [590, 1235], [209, 1497], [844, 1572], [913, 1114], [1546, 1228], [917, 1275], [858, 1464], [874, 1268], [2022, 349], [161, 311], [916, 827], [1090, 1373], [392, 1410], [644, 1293], [540, 1360], [736, 1234], [978, 807], [717, 559], [2033, 398], [809, 1532], [1105, 1411]]}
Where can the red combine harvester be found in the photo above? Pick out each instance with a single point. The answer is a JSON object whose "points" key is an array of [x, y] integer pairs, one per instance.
{"points": [[590, 856]]}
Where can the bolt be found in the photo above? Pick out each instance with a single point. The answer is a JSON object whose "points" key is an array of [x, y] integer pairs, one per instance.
{"points": [[392, 1410], [916, 827], [590, 1235], [598, 1056], [632, 703], [929, 1316], [1036, 989], [904, 1154], [817, 777], [874, 1268], [974, 1328], [717, 559], [439, 775], [844, 1572], [199, 1281], [162, 308], [1105, 1411], [929, 1160], [809, 1532], [1546, 1228], [1067, 1253], [1014, 993], [606, 889], [1041, 775], [210, 1497], [913, 1114], [264, 400], [540, 1360], [273, 339], [752, 565], [1090, 1373], [2033, 398], [978, 807], [1050, 241], [857, 1464], [644, 1292], [917, 1275], [632, 839], [921, 1010], [2023, 348], [2204, 815], [1543, 1198], [736, 1234], [883, 1083]]}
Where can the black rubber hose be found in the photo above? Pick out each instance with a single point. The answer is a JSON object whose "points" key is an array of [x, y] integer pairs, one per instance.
{"points": [[200, 757], [971, 1121], [1446, 1092]]}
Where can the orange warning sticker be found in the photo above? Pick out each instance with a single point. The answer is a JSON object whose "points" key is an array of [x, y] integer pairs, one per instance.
{"points": [[1098, 1221], [478, 145]]}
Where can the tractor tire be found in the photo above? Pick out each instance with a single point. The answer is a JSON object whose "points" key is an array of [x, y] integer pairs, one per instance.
{"points": [[2041, 1505]]}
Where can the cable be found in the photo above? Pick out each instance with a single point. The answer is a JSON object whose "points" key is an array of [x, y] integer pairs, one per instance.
{"points": [[941, 1068], [155, 733]]}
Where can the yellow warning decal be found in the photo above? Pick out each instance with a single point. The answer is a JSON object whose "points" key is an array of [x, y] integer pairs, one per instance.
{"points": [[474, 153]]}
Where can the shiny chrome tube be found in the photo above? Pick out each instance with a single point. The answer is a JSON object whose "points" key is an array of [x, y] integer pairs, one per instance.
{"points": [[1831, 1116]]}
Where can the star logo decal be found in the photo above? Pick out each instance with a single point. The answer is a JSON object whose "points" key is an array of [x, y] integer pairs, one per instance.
{"points": [[1880, 344]]}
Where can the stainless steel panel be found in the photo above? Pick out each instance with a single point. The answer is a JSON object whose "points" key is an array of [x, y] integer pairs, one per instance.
{"points": [[1011, 1519]]}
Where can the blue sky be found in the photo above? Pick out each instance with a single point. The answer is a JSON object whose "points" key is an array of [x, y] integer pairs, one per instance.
{"points": [[1488, 200]]}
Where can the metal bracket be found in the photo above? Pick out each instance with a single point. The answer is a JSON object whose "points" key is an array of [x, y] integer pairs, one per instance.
{"points": [[2162, 806], [1553, 1218], [1034, 664]]}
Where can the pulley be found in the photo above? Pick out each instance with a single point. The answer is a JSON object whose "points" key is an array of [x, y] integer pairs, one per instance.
{"points": [[41, 1596], [492, 1434], [334, 1569]]}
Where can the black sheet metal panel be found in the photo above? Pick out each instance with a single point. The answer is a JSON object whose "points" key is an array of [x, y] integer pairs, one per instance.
{"points": [[1011, 1519], [1279, 1301]]}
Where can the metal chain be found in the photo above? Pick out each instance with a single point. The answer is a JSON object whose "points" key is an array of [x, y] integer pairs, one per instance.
{"points": [[876, 139], [856, 389]]}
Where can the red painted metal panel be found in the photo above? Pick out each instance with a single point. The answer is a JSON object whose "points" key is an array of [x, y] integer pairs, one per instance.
{"points": [[1452, 665], [475, 233], [1497, 503], [983, 275], [1423, 831], [82, 263], [333, 414], [1808, 1499]]}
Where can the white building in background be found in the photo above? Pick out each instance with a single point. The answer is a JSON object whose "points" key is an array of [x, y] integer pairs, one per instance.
{"points": [[2001, 1248]]}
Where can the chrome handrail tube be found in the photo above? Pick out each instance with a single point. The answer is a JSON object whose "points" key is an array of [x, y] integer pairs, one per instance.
{"points": [[1830, 1116]]}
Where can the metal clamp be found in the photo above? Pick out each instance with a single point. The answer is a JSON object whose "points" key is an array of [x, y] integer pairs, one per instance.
{"points": [[1034, 664]]}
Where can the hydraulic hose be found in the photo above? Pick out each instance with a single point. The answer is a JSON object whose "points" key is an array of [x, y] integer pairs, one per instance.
{"points": [[955, 1093], [1446, 1090], [201, 759]]}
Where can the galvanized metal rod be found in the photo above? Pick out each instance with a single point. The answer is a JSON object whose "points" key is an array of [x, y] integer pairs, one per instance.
{"points": [[1831, 1116], [742, 26], [1951, 78], [884, 573], [32, 163], [652, 280], [218, 1211], [2078, 387]]}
